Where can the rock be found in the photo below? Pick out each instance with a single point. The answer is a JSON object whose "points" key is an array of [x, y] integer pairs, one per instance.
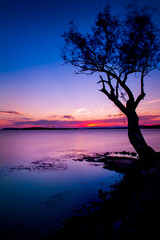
{"points": [[133, 154], [117, 226], [101, 195]]}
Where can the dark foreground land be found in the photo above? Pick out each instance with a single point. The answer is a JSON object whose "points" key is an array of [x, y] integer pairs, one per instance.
{"points": [[131, 210]]}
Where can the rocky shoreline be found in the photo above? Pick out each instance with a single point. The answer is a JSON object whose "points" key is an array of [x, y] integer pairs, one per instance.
{"points": [[129, 211]]}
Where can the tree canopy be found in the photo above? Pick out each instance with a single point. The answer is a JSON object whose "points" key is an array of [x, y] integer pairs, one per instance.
{"points": [[116, 48]]}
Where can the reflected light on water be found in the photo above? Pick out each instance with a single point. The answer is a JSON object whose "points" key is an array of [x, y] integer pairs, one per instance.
{"points": [[41, 183]]}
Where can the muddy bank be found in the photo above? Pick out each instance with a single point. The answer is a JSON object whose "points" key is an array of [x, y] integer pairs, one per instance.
{"points": [[130, 210], [117, 161]]}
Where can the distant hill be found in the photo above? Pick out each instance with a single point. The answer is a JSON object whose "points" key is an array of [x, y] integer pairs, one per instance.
{"points": [[117, 127], [43, 128], [151, 127], [39, 128]]}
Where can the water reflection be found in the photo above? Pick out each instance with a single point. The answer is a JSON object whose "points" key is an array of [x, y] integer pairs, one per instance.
{"points": [[44, 184]]}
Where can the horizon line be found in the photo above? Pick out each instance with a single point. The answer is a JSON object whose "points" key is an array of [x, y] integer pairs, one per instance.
{"points": [[76, 128]]}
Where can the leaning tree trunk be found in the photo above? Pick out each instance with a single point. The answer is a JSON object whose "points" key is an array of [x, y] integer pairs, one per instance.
{"points": [[144, 151]]}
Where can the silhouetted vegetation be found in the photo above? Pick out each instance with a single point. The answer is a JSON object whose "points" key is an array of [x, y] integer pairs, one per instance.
{"points": [[118, 49]]}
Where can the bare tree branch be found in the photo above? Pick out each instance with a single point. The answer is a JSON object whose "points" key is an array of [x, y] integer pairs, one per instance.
{"points": [[142, 94], [103, 87], [117, 86], [110, 85], [122, 84], [112, 95]]}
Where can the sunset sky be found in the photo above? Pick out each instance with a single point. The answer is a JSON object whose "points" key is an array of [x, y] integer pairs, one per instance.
{"points": [[36, 89]]}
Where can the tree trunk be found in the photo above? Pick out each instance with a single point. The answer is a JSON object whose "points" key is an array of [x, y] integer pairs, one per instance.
{"points": [[145, 152]]}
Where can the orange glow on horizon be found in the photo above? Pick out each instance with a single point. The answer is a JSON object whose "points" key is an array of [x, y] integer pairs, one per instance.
{"points": [[67, 121], [93, 125], [99, 125]]}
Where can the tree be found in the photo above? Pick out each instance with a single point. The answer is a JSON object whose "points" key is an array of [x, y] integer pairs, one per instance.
{"points": [[116, 49]]}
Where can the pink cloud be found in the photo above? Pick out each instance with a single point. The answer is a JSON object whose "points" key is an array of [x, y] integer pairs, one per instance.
{"points": [[11, 112], [68, 116], [68, 121]]}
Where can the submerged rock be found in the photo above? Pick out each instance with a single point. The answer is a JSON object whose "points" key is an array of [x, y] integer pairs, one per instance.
{"points": [[44, 164]]}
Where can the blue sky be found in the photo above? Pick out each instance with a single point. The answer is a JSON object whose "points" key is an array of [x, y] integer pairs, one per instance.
{"points": [[31, 29]]}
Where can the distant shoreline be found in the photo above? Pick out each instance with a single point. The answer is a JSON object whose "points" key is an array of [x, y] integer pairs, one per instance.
{"points": [[88, 128], [39, 128]]}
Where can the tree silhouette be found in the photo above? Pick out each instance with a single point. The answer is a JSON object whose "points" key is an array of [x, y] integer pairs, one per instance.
{"points": [[116, 49]]}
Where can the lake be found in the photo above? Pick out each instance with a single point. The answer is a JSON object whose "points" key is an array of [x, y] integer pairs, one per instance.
{"points": [[41, 181]]}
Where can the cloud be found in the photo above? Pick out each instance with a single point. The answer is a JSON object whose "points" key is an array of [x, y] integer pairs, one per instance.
{"points": [[116, 115], [11, 112], [149, 117], [70, 123], [60, 117], [157, 100], [53, 116], [68, 116], [46, 123], [41, 122], [25, 118], [81, 111]]}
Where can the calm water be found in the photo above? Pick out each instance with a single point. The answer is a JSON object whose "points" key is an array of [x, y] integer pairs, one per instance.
{"points": [[41, 183]]}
